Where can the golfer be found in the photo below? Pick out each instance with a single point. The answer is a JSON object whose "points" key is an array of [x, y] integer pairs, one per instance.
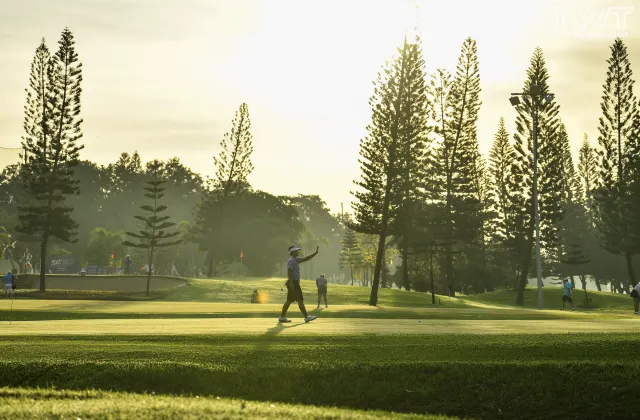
{"points": [[127, 264], [636, 298], [568, 293], [10, 282], [321, 283], [294, 292]]}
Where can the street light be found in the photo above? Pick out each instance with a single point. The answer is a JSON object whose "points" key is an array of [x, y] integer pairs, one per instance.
{"points": [[535, 93]]}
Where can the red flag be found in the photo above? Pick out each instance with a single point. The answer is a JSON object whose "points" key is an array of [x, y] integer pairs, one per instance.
{"points": [[241, 254]]}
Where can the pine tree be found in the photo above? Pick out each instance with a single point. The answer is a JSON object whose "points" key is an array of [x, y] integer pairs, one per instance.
{"points": [[350, 254], [412, 153], [616, 139], [51, 146], [37, 110], [481, 196], [503, 237], [233, 169], [383, 159], [587, 171], [501, 158], [571, 188], [153, 234], [457, 103], [549, 177], [575, 243]]}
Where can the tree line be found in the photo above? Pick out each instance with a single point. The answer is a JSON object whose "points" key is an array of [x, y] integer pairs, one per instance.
{"points": [[452, 219], [462, 222], [54, 204]]}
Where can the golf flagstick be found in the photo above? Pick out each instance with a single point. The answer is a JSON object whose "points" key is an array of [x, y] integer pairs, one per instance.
{"points": [[11, 312]]}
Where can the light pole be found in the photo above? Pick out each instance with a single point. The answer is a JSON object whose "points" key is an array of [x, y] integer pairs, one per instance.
{"points": [[535, 93]]}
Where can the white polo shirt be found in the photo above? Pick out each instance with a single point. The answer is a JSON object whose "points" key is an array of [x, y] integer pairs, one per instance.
{"points": [[294, 265]]}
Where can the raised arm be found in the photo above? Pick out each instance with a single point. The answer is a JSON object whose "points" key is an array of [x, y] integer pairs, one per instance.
{"points": [[308, 257]]}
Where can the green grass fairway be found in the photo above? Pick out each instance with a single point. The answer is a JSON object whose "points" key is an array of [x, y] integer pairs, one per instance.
{"points": [[328, 326], [40, 309], [198, 351], [239, 291], [30, 404], [512, 377], [552, 297]]}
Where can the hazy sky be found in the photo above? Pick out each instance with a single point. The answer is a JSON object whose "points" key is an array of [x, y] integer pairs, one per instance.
{"points": [[165, 77]]}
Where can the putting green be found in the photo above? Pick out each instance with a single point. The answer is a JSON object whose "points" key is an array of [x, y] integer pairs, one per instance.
{"points": [[327, 326]]}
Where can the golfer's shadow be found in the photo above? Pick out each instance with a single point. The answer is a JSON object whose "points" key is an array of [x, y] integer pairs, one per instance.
{"points": [[273, 331]]}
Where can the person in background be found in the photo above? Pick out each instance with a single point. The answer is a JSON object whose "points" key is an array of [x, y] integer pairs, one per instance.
{"points": [[568, 293], [321, 283], [255, 297], [10, 282], [174, 270], [636, 298], [127, 264], [294, 292]]}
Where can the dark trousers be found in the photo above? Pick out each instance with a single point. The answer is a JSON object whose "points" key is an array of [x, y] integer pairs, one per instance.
{"points": [[294, 294], [322, 293]]}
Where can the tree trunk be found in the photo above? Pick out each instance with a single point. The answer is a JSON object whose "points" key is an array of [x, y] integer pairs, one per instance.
{"points": [[405, 268], [632, 276], [433, 294], [43, 261], [524, 272], [377, 271], [598, 286], [210, 263], [449, 270], [583, 280], [150, 269], [351, 270]]}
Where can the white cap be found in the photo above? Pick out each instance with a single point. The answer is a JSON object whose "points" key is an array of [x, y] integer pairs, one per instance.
{"points": [[293, 248]]}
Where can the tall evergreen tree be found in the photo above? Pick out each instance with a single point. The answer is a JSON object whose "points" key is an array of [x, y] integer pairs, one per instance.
{"points": [[412, 153], [575, 240], [549, 175], [350, 254], [52, 149], [587, 171], [477, 251], [616, 139], [153, 234], [233, 168], [455, 117], [631, 200], [38, 110], [503, 237], [501, 158], [571, 189], [384, 154]]}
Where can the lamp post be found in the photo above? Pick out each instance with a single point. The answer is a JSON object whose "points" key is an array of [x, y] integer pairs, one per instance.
{"points": [[535, 93]]}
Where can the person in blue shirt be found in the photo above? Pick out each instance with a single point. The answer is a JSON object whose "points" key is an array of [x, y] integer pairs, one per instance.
{"points": [[10, 282], [568, 293]]}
